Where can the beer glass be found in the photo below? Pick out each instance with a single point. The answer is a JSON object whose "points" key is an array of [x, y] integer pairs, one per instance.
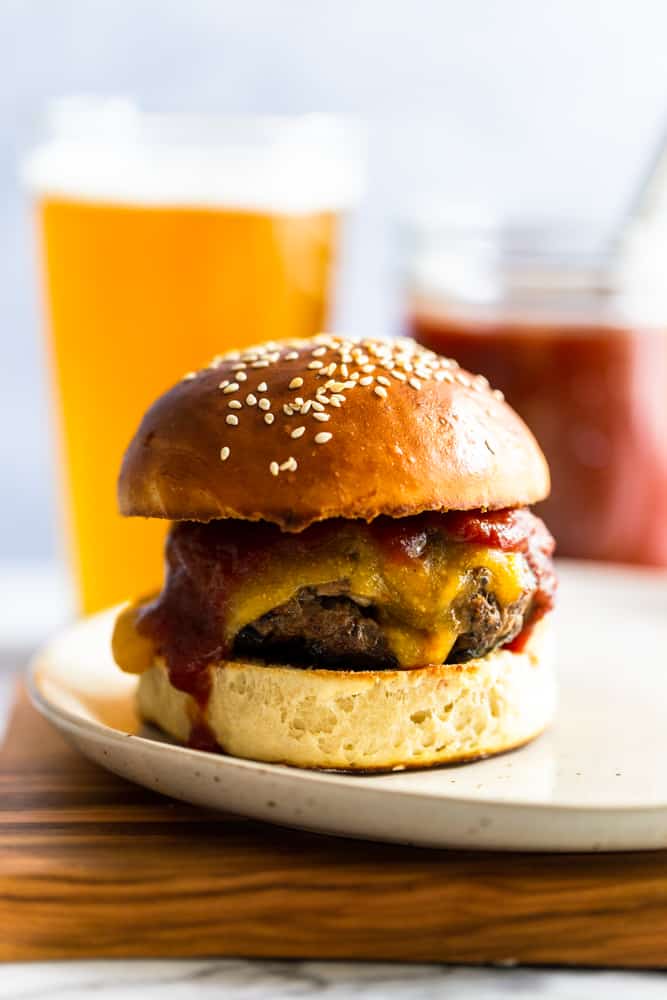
{"points": [[166, 239]]}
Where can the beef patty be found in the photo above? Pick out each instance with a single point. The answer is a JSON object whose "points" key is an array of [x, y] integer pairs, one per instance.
{"points": [[334, 631], [331, 631], [487, 624]]}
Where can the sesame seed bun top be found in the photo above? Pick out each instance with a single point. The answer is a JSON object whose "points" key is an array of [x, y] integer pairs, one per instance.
{"points": [[294, 432]]}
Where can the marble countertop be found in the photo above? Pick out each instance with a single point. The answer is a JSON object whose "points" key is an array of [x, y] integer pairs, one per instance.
{"points": [[252, 979], [262, 980]]}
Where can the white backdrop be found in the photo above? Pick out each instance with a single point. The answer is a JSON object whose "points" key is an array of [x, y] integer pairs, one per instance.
{"points": [[534, 105]]}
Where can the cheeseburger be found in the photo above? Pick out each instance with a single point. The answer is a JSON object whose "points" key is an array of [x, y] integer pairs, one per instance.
{"points": [[354, 579]]}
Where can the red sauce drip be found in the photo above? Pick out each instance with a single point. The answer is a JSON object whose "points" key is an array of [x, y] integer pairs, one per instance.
{"points": [[186, 621], [202, 738]]}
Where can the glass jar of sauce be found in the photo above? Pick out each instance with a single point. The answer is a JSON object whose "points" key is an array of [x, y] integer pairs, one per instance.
{"points": [[576, 338]]}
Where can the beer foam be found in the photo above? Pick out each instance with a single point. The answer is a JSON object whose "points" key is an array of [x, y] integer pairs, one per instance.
{"points": [[110, 152]]}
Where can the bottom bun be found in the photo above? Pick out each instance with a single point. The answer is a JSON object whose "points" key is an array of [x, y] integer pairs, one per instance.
{"points": [[368, 720]]}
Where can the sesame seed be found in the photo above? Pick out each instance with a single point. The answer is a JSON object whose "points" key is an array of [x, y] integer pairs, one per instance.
{"points": [[274, 468], [306, 406], [223, 385], [348, 385], [225, 453], [268, 418], [344, 370], [399, 375], [287, 410], [262, 387], [335, 401], [298, 401], [380, 391], [232, 387], [290, 465], [239, 366], [366, 380], [335, 386], [296, 383], [316, 405], [291, 356], [415, 383], [298, 432], [320, 416], [232, 419], [260, 364], [235, 404], [367, 369], [189, 375], [251, 399], [264, 403], [322, 397], [383, 380], [318, 352], [330, 369], [314, 365], [241, 377], [323, 437]]}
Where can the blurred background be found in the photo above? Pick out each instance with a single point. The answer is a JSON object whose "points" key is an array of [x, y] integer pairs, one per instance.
{"points": [[516, 108]]}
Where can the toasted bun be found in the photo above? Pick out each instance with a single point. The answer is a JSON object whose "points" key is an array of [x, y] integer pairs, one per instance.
{"points": [[372, 720], [407, 431]]}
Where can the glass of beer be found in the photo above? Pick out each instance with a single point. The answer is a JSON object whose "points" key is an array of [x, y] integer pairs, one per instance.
{"points": [[166, 239]]}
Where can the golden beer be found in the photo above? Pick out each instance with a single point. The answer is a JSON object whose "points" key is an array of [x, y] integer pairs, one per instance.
{"points": [[138, 294]]}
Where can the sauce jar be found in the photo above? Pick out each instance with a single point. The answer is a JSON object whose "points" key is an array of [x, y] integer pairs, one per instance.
{"points": [[576, 338]]}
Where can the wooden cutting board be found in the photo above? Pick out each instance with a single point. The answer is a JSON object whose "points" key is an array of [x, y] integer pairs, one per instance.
{"points": [[93, 866]]}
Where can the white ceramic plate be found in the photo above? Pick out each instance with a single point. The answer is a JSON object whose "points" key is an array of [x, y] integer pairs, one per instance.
{"points": [[596, 782]]}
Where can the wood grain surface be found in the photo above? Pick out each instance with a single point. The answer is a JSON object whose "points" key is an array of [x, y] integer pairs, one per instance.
{"points": [[93, 866]]}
